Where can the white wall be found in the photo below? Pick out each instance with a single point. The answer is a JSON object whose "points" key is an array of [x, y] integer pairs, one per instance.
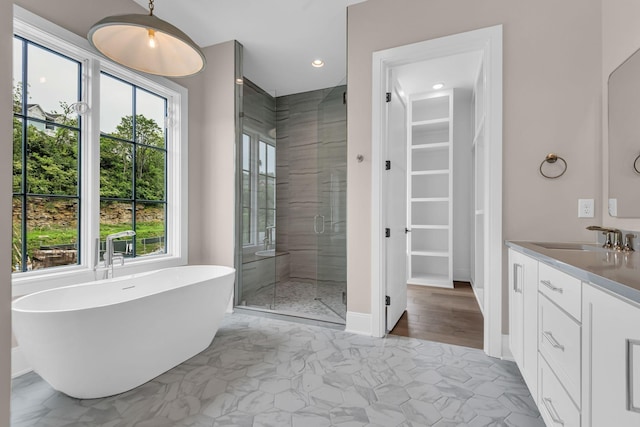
{"points": [[552, 103], [6, 25], [212, 158]]}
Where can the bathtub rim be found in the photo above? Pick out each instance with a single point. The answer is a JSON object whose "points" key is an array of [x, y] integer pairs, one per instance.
{"points": [[227, 272]]}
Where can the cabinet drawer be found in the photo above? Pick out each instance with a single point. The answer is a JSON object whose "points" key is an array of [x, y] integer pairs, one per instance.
{"points": [[554, 403], [564, 290], [559, 341]]}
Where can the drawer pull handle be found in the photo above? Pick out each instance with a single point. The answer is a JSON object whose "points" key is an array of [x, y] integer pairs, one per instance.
{"points": [[548, 284], [517, 278], [552, 411], [552, 340]]}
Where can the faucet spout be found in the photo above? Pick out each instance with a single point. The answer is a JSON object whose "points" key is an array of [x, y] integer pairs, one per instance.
{"points": [[617, 242]]}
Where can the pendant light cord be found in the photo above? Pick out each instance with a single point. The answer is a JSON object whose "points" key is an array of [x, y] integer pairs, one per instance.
{"points": [[150, 7]]}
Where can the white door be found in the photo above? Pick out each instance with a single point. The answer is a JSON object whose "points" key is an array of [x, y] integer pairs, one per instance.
{"points": [[396, 210]]}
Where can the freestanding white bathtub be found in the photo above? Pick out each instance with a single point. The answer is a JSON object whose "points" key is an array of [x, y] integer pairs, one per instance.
{"points": [[106, 337]]}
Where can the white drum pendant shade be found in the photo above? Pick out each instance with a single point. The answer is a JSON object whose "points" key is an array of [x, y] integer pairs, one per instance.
{"points": [[148, 44]]}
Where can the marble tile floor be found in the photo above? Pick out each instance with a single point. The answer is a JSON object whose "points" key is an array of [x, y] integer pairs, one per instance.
{"points": [[299, 298], [263, 372]]}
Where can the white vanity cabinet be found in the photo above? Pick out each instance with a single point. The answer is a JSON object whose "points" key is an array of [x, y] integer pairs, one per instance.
{"points": [[559, 338], [586, 334], [523, 316], [611, 360]]}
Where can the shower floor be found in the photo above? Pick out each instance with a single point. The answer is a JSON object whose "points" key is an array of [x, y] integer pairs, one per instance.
{"points": [[301, 299]]}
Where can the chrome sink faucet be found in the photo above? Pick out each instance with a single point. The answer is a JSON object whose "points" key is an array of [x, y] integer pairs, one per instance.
{"points": [[109, 255], [617, 240]]}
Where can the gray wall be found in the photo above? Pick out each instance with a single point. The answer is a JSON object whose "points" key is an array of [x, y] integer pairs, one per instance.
{"points": [[259, 108]]}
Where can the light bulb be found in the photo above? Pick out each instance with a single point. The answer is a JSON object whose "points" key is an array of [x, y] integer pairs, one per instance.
{"points": [[152, 38]]}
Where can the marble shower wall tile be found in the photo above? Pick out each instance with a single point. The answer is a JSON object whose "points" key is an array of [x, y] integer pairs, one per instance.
{"points": [[311, 165], [259, 108], [311, 181]]}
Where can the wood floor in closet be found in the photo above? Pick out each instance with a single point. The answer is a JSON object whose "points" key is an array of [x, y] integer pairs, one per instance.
{"points": [[450, 316]]}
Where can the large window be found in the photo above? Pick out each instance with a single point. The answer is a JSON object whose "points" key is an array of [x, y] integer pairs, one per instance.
{"points": [[132, 166], [46, 166], [258, 190], [81, 173]]}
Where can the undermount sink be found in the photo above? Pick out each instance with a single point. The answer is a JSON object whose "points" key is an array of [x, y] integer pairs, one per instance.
{"points": [[571, 246], [266, 253]]}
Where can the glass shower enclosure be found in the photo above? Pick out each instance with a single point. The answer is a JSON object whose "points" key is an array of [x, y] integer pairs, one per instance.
{"points": [[291, 203]]}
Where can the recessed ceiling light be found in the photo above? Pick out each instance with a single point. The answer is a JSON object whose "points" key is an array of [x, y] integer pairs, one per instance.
{"points": [[239, 81], [438, 86], [317, 63]]}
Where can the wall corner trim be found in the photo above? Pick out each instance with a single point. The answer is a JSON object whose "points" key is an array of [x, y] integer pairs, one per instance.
{"points": [[19, 364], [506, 351], [358, 323]]}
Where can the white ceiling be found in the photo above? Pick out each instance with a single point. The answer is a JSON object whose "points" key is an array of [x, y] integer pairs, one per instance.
{"points": [[280, 37], [456, 71]]}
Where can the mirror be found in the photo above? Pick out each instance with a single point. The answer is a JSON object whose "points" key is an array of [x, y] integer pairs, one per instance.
{"points": [[624, 139]]}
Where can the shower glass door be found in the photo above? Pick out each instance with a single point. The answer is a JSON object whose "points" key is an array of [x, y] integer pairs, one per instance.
{"points": [[291, 207], [330, 226]]}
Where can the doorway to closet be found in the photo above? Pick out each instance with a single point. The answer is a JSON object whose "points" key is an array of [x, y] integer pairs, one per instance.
{"points": [[440, 134], [442, 99]]}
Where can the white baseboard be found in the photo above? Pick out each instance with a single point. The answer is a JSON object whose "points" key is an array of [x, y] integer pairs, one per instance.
{"points": [[461, 275], [19, 364], [358, 323], [432, 284], [480, 300], [506, 351]]}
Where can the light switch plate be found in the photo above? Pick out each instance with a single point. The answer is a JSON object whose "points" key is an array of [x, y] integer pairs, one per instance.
{"points": [[585, 208], [613, 207]]}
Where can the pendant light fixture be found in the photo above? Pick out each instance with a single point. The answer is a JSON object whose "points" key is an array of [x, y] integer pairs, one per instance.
{"points": [[148, 44]]}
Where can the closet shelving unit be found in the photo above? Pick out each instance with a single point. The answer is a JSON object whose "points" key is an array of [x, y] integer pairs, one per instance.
{"points": [[429, 187]]}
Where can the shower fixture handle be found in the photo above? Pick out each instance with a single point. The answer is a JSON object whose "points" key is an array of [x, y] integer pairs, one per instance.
{"points": [[315, 224]]}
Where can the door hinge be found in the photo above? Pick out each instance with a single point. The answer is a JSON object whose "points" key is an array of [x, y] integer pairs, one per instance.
{"points": [[388, 97], [387, 165], [387, 300], [387, 232]]}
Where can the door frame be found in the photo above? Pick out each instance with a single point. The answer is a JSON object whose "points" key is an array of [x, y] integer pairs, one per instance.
{"points": [[489, 42]]}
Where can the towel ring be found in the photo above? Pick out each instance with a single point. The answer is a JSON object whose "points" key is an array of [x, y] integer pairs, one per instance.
{"points": [[552, 158], [635, 164]]}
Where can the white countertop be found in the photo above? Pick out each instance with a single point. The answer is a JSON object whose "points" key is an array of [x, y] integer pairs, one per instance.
{"points": [[618, 272]]}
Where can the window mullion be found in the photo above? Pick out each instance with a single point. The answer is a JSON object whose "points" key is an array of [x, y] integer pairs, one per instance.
{"points": [[134, 154], [23, 143], [91, 165]]}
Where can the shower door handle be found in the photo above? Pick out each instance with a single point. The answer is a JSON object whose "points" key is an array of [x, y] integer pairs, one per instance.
{"points": [[315, 224]]}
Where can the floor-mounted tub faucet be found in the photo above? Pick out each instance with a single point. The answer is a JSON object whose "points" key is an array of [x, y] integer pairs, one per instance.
{"points": [[109, 255]]}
